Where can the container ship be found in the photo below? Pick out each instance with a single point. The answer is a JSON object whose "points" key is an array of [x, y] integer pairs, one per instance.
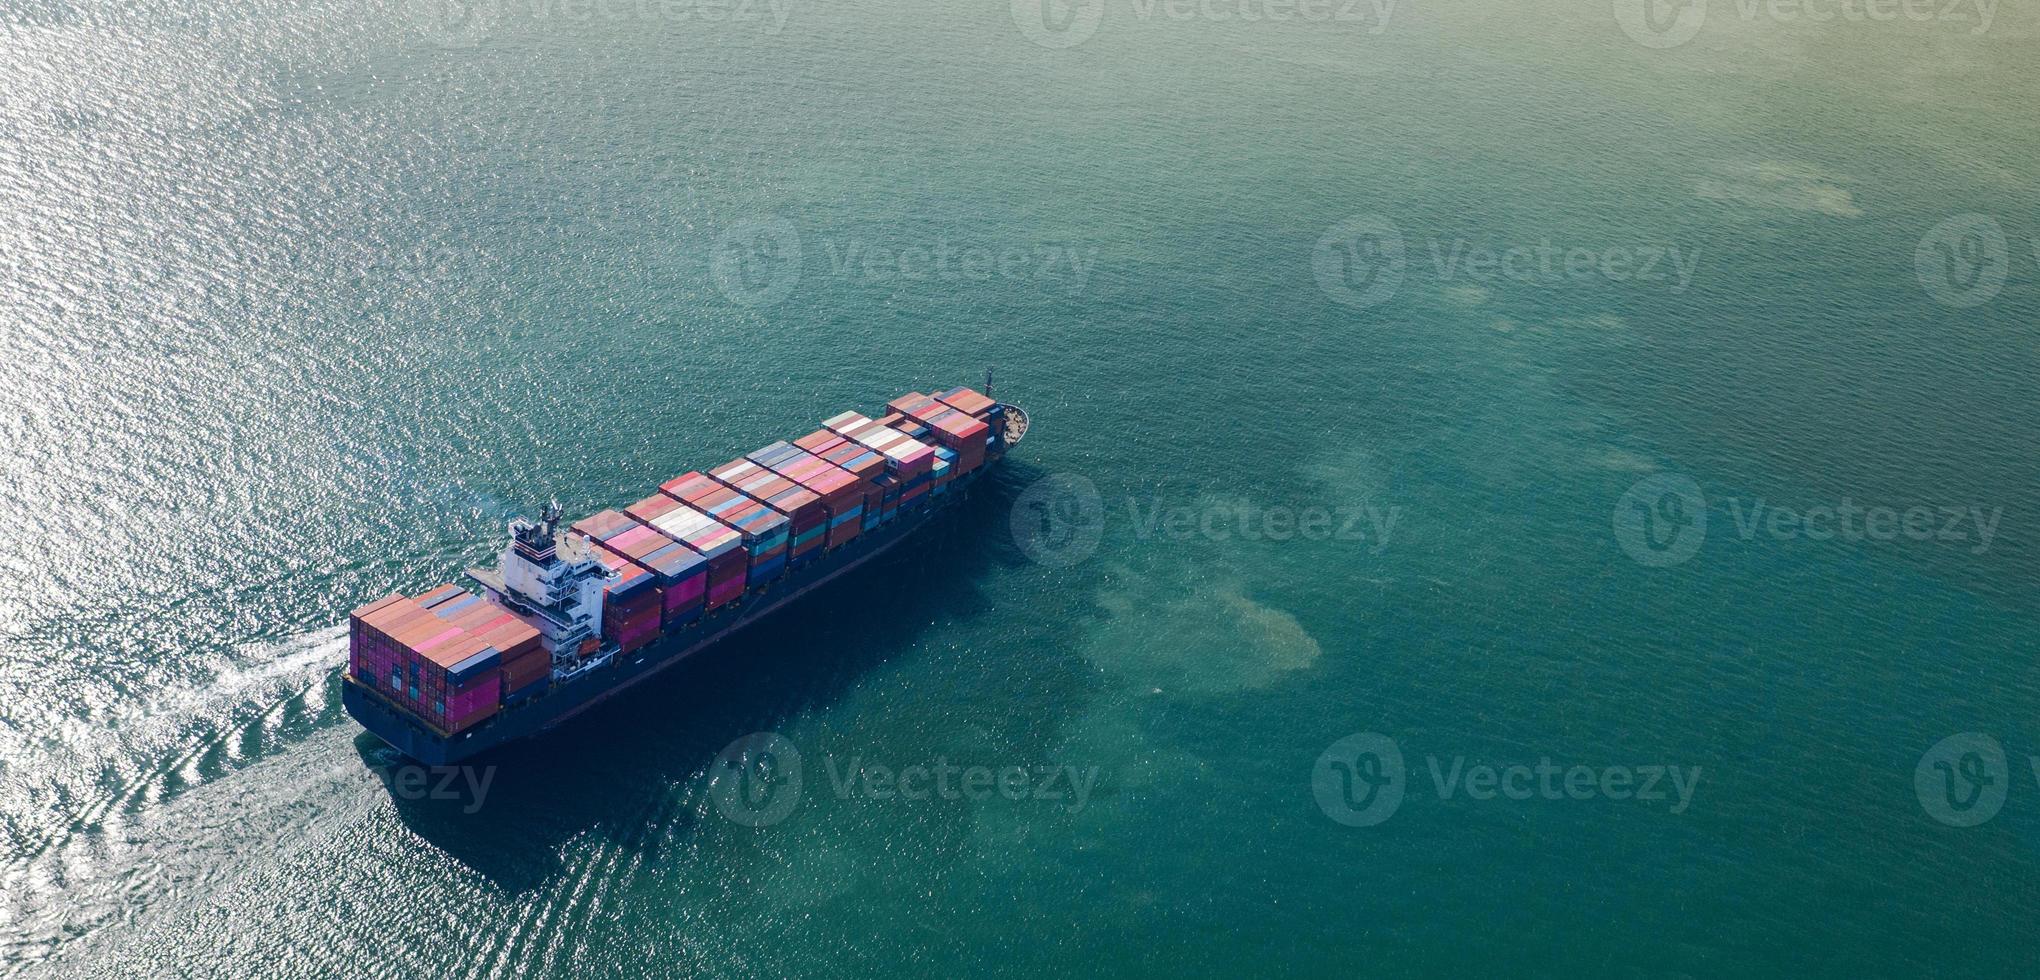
{"points": [[573, 615]]}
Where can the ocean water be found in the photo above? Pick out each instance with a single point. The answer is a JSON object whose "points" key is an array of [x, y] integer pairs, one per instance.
{"points": [[1488, 381]]}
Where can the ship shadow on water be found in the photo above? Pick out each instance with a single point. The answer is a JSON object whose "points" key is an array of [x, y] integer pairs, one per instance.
{"points": [[630, 770]]}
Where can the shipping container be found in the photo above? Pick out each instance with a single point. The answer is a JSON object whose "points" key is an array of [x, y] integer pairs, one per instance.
{"points": [[444, 663], [603, 526], [681, 571], [718, 543], [949, 428], [859, 461], [967, 401], [818, 442], [651, 508], [841, 494], [633, 608], [806, 518], [441, 594]]}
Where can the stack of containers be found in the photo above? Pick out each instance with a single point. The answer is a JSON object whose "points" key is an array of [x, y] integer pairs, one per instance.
{"points": [[633, 607], [447, 663], [767, 536], [451, 679], [818, 442], [905, 425], [651, 508], [905, 458], [386, 636], [943, 468], [527, 666], [441, 594], [764, 530], [682, 573], [639, 597], [807, 519], [964, 436], [971, 403], [720, 544], [977, 406], [910, 462], [377, 655], [914, 430], [603, 526], [862, 463], [842, 494]]}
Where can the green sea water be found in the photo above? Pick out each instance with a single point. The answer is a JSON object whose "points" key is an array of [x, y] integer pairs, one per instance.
{"points": [[1511, 385]]}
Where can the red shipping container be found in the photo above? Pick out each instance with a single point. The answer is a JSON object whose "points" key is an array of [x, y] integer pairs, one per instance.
{"points": [[726, 592], [603, 526], [967, 401], [819, 441], [650, 509], [526, 670], [688, 486], [905, 404]]}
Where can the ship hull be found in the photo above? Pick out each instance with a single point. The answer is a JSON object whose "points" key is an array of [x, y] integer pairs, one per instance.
{"points": [[572, 696]]}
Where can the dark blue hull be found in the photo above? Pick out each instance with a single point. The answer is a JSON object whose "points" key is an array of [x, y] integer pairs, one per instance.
{"points": [[571, 697]]}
